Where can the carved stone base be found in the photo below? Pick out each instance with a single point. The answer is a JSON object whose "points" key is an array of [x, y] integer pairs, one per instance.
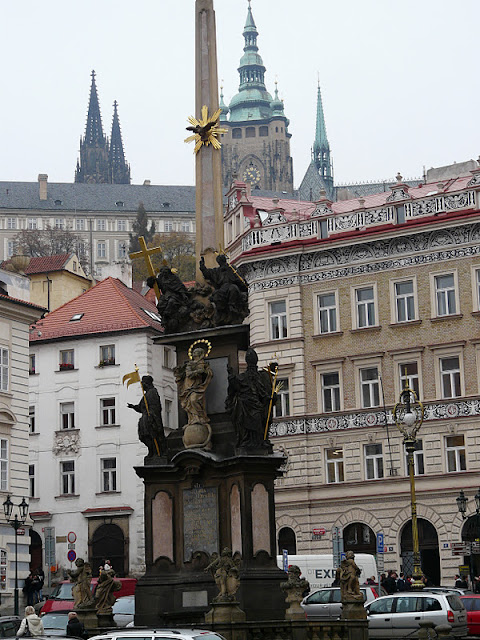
{"points": [[225, 612], [106, 620], [197, 436], [88, 617], [353, 610]]}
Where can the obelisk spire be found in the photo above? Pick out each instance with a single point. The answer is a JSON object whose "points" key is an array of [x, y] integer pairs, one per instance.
{"points": [[209, 206]]}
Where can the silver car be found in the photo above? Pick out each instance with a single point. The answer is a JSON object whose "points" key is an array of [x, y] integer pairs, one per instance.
{"points": [[159, 634], [325, 603], [398, 615]]}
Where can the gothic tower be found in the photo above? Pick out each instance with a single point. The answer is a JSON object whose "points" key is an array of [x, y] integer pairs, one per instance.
{"points": [[99, 161], [256, 147], [319, 174]]}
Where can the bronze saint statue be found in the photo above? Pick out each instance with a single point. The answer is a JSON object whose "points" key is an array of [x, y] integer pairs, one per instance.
{"points": [[150, 425], [81, 577], [349, 572], [225, 570], [230, 296], [249, 399], [193, 378], [106, 586]]}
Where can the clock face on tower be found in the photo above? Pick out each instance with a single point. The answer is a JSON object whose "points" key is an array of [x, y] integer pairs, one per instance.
{"points": [[252, 175]]}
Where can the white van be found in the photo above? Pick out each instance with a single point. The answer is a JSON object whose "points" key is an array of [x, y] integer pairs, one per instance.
{"points": [[319, 570]]}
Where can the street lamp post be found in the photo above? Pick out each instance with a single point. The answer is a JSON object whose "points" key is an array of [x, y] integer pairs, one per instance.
{"points": [[408, 416], [16, 522], [462, 508]]}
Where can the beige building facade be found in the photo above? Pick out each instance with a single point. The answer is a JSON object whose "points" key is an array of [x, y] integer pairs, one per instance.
{"points": [[350, 298]]}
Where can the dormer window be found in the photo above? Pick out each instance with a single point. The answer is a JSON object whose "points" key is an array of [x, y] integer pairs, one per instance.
{"points": [[152, 315], [166, 205], [76, 317], [119, 203], [58, 202]]}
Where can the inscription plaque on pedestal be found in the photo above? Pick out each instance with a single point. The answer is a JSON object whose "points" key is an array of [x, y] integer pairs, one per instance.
{"points": [[200, 521]]}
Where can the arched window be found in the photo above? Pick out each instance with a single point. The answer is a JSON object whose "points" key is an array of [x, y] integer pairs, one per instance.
{"points": [[263, 131], [359, 538], [250, 132], [287, 540]]}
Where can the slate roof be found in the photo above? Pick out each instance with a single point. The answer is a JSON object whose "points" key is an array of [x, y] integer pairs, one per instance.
{"points": [[107, 307]]}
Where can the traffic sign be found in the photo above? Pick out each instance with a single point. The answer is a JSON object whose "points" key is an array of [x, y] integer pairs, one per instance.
{"points": [[285, 559], [72, 536], [380, 543], [71, 555], [71, 545], [461, 548], [319, 532], [20, 532]]}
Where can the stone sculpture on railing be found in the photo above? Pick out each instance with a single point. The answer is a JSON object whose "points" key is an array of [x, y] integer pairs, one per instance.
{"points": [[225, 570], [81, 577], [295, 588]]}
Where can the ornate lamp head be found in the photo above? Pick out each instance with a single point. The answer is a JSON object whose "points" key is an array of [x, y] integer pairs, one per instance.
{"points": [[408, 413]]}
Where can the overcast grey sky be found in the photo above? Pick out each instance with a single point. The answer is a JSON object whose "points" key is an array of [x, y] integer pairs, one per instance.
{"points": [[399, 81]]}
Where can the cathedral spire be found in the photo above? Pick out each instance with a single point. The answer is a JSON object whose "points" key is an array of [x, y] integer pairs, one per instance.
{"points": [[321, 141], [94, 129], [120, 171], [321, 148]]}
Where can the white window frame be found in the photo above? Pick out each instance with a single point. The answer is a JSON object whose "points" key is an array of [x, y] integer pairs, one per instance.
{"points": [[453, 376], [108, 475], [4, 369], [326, 368], [108, 412], [32, 488], [394, 298], [67, 478], [59, 223], [168, 413], [332, 391], [378, 472], [457, 451], [283, 398], [67, 357], [107, 354], [328, 312], [10, 248], [370, 385], [11, 223], [3, 569], [356, 305], [101, 224], [418, 455], [67, 417], [185, 226], [337, 464], [168, 226], [122, 249], [278, 321], [101, 249], [4, 463], [121, 225], [31, 419], [80, 224], [32, 223], [434, 297]]}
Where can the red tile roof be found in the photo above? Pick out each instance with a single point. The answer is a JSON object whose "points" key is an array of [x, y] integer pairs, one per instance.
{"points": [[18, 301], [108, 306], [45, 264]]}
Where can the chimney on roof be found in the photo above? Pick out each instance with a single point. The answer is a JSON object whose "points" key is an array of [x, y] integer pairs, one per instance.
{"points": [[146, 183], [42, 184]]}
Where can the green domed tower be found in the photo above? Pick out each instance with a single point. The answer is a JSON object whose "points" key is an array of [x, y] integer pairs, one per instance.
{"points": [[256, 147]]}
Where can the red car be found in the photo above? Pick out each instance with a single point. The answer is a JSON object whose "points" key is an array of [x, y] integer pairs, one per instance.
{"points": [[62, 599], [472, 605]]}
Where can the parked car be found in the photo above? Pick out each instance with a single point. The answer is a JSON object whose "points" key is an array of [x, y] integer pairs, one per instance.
{"points": [[159, 634], [55, 623], [457, 590], [124, 611], [61, 598], [471, 602], [9, 626], [326, 603], [398, 615]]}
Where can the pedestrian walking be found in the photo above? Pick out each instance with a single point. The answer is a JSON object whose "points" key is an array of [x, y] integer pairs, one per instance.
{"points": [[401, 582], [75, 628], [31, 625]]}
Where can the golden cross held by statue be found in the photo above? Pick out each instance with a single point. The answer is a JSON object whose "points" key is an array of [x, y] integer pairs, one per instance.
{"points": [[145, 253]]}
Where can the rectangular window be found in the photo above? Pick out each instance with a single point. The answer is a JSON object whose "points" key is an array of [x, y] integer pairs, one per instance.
{"points": [[477, 289], [122, 250], [67, 477], [450, 377], [11, 223], [418, 459], [31, 363], [67, 415], [185, 227], [31, 418], [278, 319], [445, 295], [79, 224], [59, 223], [101, 224], [107, 355], [404, 301], [370, 387], [167, 358], [4, 369], [10, 248], [3, 569], [109, 474], [167, 419], [409, 373], [31, 480], [455, 450], [31, 223], [365, 304], [282, 404], [3, 464], [168, 226], [101, 249], [334, 462], [373, 461], [107, 406], [121, 225], [66, 359], [330, 391], [327, 310]]}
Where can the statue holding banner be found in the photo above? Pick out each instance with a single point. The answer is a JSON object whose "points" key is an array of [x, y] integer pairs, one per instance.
{"points": [[150, 425]]}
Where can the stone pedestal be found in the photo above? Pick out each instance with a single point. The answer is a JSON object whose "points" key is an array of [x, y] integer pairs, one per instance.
{"points": [[353, 610], [88, 617], [106, 620], [225, 612]]}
